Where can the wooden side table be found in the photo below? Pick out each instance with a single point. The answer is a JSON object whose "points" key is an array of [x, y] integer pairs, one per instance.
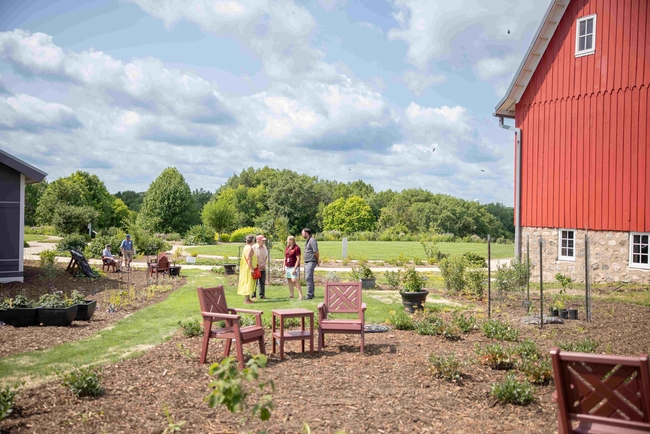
{"points": [[293, 335]]}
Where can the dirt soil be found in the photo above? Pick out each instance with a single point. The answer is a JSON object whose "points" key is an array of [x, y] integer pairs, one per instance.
{"points": [[386, 390], [18, 340]]}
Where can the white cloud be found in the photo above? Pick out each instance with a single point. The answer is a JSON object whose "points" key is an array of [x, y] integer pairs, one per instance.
{"points": [[429, 27], [490, 67], [418, 83], [25, 112]]}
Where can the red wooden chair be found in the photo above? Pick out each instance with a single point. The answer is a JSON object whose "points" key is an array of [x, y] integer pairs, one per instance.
{"points": [[160, 266], [214, 308], [603, 393], [107, 263], [341, 297]]}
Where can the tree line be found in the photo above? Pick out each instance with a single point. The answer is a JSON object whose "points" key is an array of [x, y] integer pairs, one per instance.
{"points": [[275, 201]]}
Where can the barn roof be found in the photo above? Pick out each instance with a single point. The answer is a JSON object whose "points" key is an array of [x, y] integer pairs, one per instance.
{"points": [[32, 174], [554, 13]]}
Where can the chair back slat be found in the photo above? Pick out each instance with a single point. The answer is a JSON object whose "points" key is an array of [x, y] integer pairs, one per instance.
{"points": [[343, 297], [212, 299], [603, 386], [163, 263]]}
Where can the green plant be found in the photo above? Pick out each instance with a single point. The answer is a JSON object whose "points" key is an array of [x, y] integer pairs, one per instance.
{"points": [[239, 236], [332, 277], [527, 350], [229, 386], [495, 356], [513, 276], [453, 273], [565, 281], [499, 330], [7, 400], [52, 301], [393, 278], [171, 425], [412, 281], [20, 301], [72, 241], [475, 280], [513, 391], [361, 272], [199, 235], [401, 321], [466, 325], [473, 259], [538, 370], [584, 346], [82, 382], [76, 298], [446, 367], [428, 324], [451, 332], [191, 328]]}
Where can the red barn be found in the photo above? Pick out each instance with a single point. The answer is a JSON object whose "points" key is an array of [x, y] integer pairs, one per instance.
{"points": [[580, 106]]}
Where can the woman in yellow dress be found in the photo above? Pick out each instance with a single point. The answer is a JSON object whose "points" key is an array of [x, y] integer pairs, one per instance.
{"points": [[246, 265]]}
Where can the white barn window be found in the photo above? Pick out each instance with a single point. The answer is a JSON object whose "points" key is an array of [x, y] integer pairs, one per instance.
{"points": [[586, 36], [567, 245], [639, 254]]}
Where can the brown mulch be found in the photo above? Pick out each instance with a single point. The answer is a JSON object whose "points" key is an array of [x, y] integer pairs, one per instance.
{"points": [[18, 340], [387, 389]]}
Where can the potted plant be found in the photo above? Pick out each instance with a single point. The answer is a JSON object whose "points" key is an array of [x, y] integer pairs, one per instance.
{"points": [[365, 275], [85, 308], [55, 311], [412, 292], [18, 312]]}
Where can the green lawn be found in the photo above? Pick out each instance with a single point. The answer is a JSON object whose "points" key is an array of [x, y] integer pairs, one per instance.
{"points": [[33, 237], [154, 324], [373, 250]]}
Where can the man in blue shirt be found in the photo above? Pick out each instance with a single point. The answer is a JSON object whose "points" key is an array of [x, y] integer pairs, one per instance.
{"points": [[311, 259], [127, 251]]}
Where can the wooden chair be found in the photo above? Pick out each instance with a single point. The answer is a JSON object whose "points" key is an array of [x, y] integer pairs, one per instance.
{"points": [[214, 308], [603, 393], [160, 266], [341, 297], [107, 263]]}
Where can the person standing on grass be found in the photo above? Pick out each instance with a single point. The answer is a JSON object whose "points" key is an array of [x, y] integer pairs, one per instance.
{"points": [[127, 251], [262, 254], [291, 266], [246, 265], [312, 259]]}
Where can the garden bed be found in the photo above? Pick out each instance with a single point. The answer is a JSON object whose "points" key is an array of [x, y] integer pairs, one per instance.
{"points": [[18, 340], [388, 389]]}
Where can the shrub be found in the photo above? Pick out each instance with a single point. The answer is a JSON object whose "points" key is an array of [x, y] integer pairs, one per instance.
{"points": [[474, 259], [332, 277], [40, 230], [191, 328], [71, 219], [402, 321], [453, 272], [527, 350], [20, 301], [72, 241], [585, 346], [98, 244], [412, 281], [495, 356], [83, 382], [451, 332], [7, 400], [361, 272], [174, 236], [52, 301], [446, 367], [513, 391], [225, 238], [199, 235], [537, 370], [393, 278], [48, 257], [429, 324], [239, 236], [475, 281], [466, 325], [499, 330], [513, 276], [76, 297]]}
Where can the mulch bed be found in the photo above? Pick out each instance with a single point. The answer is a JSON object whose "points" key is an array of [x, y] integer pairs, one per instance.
{"points": [[18, 340], [388, 389]]}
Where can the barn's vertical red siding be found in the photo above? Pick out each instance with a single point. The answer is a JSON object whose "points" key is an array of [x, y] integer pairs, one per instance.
{"points": [[584, 121]]}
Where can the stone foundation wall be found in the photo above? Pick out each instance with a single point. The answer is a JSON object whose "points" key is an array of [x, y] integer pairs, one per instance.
{"points": [[608, 250]]}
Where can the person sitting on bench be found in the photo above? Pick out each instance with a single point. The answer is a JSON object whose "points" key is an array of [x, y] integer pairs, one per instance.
{"points": [[108, 258]]}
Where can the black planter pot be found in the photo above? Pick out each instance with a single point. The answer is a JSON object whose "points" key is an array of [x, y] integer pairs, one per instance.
{"points": [[85, 310], [368, 283], [564, 314], [554, 311], [414, 300], [61, 317], [229, 268], [175, 270], [20, 316], [573, 313]]}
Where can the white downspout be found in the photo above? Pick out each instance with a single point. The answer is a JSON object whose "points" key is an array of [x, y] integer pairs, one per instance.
{"points": [[517, 186]]}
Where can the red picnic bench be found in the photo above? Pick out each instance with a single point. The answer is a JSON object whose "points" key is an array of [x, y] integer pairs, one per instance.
{"points": [[604, 394]]}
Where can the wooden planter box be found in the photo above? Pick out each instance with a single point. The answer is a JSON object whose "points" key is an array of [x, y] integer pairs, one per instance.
{"points": [[61, 317], [85, 310], [20, 316]]}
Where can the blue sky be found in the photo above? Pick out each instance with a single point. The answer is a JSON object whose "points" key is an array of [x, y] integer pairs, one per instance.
{"points": [[342, 90]]}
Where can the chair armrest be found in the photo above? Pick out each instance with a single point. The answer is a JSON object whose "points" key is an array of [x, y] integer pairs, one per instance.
{"points": [[321, 305], [216, 315], [254, 312], [363, 306]]}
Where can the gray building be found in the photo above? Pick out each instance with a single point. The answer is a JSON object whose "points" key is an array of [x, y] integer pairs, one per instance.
{"points": [[14, 175]]}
